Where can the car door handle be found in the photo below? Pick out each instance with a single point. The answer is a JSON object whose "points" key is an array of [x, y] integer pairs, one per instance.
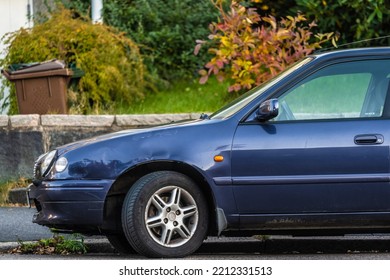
{"points": [[369, 139]]}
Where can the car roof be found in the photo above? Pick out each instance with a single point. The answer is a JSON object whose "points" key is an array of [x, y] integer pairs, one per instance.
{"points": [[356, 52]]}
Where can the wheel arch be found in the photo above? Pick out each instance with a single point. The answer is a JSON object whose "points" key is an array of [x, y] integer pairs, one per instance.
{"points": [[118, 191]]}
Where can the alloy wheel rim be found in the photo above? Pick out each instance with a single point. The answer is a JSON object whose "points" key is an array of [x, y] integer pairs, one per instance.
{"points": [[171, 216]]}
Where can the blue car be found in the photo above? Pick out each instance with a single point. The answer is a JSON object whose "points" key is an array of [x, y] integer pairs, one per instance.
{"points": [[308, 152]]}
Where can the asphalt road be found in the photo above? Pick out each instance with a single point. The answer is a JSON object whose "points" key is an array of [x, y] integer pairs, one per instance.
{"points": [[15, 224]]}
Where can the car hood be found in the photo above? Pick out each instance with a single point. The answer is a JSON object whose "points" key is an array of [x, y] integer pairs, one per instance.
{"points": [[106, 157], [124, 134]]}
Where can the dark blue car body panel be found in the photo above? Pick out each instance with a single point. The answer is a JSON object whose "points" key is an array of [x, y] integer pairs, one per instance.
{"points": [[275, 176]]}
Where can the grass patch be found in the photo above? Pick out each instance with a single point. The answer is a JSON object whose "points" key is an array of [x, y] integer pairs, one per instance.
{"points": [[182, 97], [58, 244], [8, 185]]}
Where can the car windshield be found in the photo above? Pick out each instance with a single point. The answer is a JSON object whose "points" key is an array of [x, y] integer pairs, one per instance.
{"points": [[252, 94]]}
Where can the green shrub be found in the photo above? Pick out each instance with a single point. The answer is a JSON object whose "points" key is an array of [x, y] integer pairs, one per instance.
{"points": [[113, 66], [249, 49], [353, 19], [165, 30]]}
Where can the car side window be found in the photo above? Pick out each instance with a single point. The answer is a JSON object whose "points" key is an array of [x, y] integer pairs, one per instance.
{"points": [[345, 90]]}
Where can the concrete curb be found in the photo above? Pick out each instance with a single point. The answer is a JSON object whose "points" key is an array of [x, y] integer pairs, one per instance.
{"points": [[34, 121], [286, 245]]}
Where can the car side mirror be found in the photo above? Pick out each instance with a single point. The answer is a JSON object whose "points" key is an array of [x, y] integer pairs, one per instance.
{"points": [[268, 109]]}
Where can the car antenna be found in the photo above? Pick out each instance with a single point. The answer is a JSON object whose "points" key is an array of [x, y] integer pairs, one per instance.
{"points": [[353, 43]]}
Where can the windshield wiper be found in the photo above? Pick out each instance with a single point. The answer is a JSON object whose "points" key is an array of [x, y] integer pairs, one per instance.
{"points": [[204, 116]]}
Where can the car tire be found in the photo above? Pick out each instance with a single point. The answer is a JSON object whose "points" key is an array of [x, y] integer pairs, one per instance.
{"points": [[165, 214], [120, 244]]}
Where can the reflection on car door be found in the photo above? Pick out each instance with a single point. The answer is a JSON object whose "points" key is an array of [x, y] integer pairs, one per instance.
{"points": [[327, 158]]}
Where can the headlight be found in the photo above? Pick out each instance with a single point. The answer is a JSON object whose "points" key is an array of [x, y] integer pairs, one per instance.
{"points": [[61, 164], [47, 162]]}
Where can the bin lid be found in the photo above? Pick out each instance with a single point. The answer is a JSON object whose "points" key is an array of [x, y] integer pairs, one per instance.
{"points": [[32, 75], [53, 64]]}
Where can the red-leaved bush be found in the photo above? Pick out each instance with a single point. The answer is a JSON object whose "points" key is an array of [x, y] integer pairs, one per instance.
{"points": [[250, 49]]}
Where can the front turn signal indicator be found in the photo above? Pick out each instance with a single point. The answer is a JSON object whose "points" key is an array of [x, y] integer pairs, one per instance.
{"points": [[218, 158]]}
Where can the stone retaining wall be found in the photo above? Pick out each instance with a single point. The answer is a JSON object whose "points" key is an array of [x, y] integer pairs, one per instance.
{"points": [[24, 137]]}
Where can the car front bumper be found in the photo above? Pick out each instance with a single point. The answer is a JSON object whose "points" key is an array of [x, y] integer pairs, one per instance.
{"points": [[74, 205]]}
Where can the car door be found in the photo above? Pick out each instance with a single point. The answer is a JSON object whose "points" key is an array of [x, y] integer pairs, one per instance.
{"points": [[325, 154]]}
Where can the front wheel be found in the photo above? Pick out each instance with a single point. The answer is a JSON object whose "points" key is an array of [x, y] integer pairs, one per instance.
{"points": [[165, 215]]}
